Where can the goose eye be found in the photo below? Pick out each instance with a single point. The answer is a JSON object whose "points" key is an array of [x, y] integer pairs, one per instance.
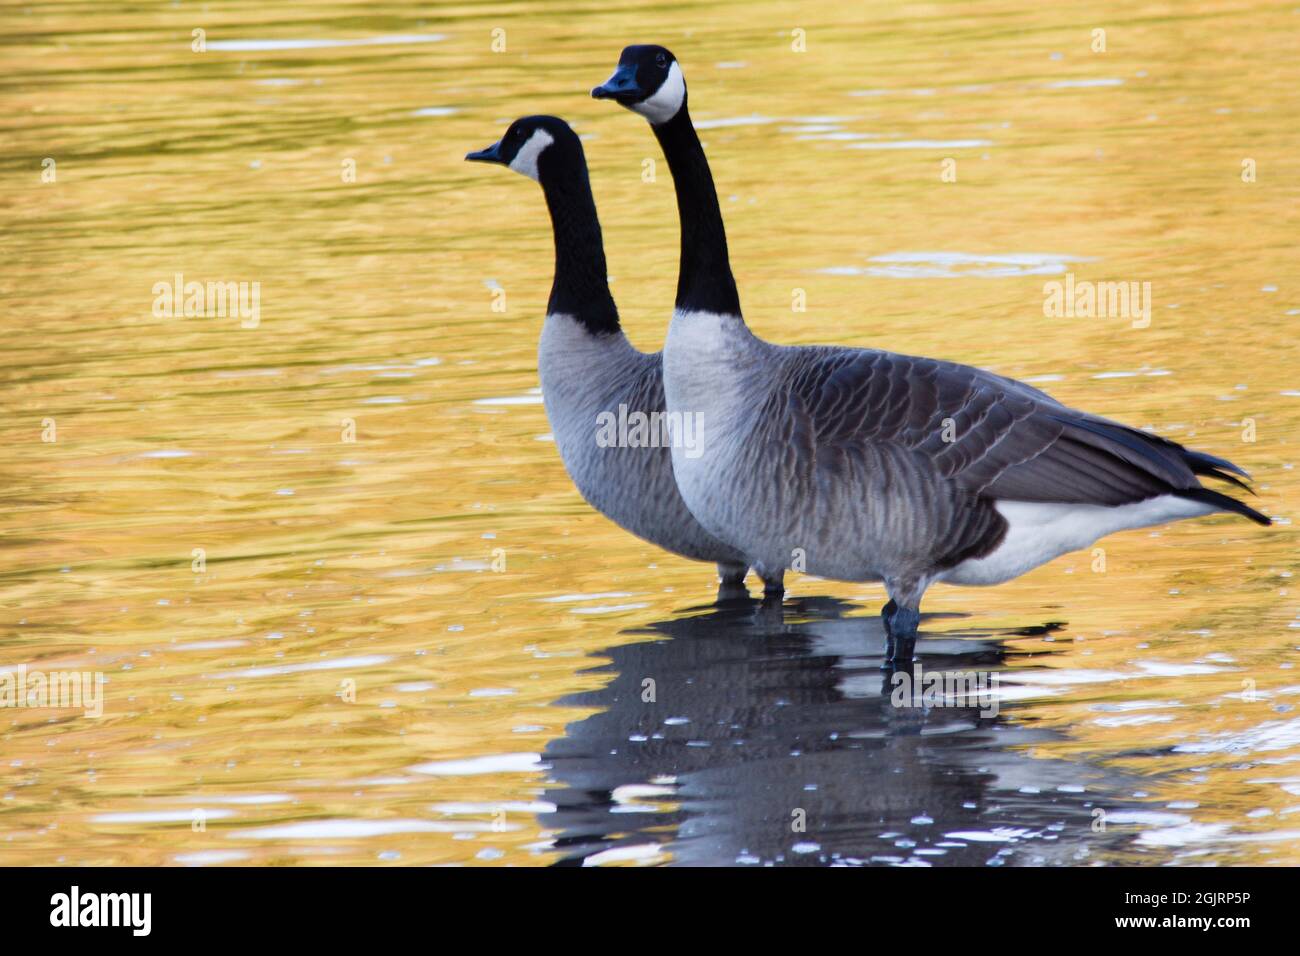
{"points": [[660, 60]]}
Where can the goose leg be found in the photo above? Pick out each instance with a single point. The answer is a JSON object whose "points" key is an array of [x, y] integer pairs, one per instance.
{"points": [[773, 586], [732, 574], [902, 617], [731, 581], [902, 635], [886, 613]]}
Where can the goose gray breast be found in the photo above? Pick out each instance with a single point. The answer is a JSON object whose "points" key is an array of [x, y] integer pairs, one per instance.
{"points": [[587, 366], [588, 379]]}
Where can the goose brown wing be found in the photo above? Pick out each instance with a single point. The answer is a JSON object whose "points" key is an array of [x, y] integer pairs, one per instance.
{"points": [[989, 436]]}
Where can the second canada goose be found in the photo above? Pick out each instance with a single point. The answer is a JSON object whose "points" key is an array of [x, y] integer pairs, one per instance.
{"points": [[866, 465], [593, 380]]}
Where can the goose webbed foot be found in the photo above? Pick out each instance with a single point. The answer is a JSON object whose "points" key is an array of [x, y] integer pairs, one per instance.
{"points": [[731, 582], [773, 589], [731, 593], [892, 667], [901, 624], [732, 575]]}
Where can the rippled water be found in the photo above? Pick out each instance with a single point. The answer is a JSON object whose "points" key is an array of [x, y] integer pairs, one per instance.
{"points": [[420, 645]]}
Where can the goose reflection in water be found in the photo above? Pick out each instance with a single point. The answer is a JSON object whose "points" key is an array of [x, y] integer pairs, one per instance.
{"points": [[760, 736]]}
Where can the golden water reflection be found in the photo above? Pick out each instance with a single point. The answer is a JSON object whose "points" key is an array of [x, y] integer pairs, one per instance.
{"points": [[338, 675]]}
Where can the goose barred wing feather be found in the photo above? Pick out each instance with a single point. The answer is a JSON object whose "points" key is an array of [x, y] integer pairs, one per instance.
{"points": [[990, 436]]}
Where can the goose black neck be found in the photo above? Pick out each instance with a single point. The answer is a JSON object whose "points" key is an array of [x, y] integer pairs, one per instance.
{"points": [[704, 280], [581, 285]]}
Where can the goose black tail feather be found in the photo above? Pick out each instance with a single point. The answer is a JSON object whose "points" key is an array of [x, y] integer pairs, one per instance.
{"points": [[1196, 460], [1222, 502], [1222, 476], [1214, 467]]}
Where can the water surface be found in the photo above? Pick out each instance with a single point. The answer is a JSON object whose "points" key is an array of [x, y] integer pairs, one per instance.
{"points": [[409, 641]]}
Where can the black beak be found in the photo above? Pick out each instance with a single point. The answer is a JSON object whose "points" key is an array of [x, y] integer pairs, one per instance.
{"points": [[622, 87], [490, 155]]}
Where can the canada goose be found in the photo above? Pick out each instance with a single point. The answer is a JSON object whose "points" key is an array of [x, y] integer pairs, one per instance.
{"points": [[865, 465], [593, 380]]}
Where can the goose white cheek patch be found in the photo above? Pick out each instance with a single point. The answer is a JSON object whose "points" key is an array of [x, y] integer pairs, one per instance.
{"points": [[667, 100], [525, 160]]}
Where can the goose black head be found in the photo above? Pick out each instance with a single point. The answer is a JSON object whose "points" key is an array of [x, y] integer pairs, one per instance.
{"points": [[537, 146], [648, 81]]}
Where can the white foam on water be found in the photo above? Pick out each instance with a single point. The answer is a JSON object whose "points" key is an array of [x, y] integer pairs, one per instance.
{"points": [[353, 829], [960, 265], [1081, 84], [623, 854], [341, 663], [159, 816], [753, 119], [249, 46], [473, 766], [923, 144], [205, 857], [569, 598], [607, 608]]}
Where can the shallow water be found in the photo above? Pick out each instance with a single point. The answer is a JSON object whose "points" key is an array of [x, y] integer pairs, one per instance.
{"points": [[407, 640]]}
